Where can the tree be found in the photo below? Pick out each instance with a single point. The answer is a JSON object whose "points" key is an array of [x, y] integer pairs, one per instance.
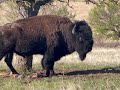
{"points": [[31, 7], [105, 19]]}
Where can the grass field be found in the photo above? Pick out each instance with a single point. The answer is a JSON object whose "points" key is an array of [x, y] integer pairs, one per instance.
{"points": [[100, 71]]}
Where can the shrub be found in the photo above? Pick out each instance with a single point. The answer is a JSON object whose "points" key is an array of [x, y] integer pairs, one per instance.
{"points": [[105, 19]]}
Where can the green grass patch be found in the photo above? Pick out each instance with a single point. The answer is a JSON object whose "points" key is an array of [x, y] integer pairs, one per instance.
{"points": [[97, 81], [63, 83]]}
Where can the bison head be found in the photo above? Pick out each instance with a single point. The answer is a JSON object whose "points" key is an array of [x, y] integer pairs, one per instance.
{"points": [[83, 38]]}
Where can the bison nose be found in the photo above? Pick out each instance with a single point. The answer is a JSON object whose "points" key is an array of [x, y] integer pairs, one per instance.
{"points": [[82, 57]]}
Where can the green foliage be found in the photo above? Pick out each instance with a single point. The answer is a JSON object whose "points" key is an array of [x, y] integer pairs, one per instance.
{"points": [[105, 19]]}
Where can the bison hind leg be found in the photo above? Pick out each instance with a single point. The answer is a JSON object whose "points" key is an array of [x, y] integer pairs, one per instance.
{"points": [[8, 60]]}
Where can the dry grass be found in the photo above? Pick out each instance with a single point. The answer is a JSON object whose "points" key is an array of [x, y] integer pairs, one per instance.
{"points": [[97, 56], [104, 56]]}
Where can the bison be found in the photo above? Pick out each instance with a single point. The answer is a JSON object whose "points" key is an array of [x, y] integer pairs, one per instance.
{"points": [[49, 35]]}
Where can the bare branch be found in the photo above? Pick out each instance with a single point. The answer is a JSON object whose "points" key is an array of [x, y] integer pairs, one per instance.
{"points": [[91, 1], [22, 13]]}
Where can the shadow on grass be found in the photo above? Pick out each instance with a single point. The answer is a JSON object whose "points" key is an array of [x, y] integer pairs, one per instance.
{"points": [[102, 71]]}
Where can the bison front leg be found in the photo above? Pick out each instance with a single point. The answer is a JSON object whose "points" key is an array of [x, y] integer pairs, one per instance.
{"points": [[42, 63], [48, 64], [8, 60]]}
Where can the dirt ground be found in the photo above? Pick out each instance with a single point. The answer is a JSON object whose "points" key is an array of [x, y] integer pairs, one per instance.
{"points": [[38, 75]]}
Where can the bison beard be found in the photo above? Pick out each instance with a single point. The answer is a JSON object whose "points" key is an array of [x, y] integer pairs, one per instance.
{"points": [[49, 35]]}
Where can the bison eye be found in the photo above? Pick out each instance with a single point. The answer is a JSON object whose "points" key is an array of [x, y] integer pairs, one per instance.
{"points": [[80, 39]]}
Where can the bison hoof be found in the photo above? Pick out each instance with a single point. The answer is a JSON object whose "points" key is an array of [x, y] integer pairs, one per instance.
{"points": [[49, 73], [12, 73], [16, 76]]}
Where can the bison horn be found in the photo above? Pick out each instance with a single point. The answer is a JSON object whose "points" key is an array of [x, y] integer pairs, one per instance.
{"points": [[73, 30]]}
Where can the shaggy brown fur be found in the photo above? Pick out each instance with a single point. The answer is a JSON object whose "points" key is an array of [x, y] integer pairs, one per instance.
{"points": [[48, 35]]}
